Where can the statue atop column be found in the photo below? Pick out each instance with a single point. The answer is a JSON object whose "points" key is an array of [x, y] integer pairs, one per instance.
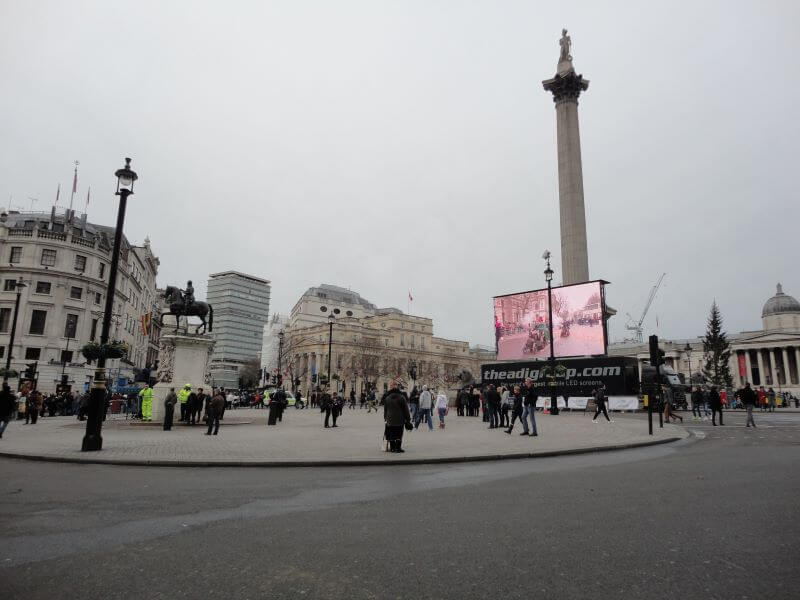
{"points": [[566, 43]]}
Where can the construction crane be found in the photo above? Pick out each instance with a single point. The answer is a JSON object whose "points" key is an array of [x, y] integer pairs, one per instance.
{"points": [[637, 326]]}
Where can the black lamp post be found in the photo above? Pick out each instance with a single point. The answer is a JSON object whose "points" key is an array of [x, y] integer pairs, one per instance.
{"points": [[93, 440], [280, 353], [331, 319], [548, 275], [688, 350], [19, 285]]}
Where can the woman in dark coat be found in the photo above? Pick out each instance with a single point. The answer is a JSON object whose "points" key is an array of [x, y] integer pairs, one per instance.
{"points": [[396, 416]]}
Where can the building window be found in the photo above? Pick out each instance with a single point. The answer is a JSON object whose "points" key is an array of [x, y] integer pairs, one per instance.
{"points": [[93, 333], [5, 320], [71, 326], [98, 298], [2, 351], [349, 313], [323, 308], [75, 293], [48, 257], [38, 320], [66, 356], [42, 287], [80, 263], [102, 272], [33, 353], [16, 254], [336, 311], [9, 285]]}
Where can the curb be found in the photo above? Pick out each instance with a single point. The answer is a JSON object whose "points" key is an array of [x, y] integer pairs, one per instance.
{"points": [[338, 463]]}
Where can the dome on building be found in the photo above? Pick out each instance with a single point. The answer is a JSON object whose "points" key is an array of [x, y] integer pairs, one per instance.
{"points": [[780, 303]]}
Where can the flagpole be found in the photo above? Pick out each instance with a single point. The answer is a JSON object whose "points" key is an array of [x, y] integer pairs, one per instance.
{"points": [[58, 194], [74, 185], [88, 192]]}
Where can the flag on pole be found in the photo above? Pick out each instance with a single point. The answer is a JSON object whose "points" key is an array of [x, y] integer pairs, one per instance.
{"points": [[58, 192], [88, 193], [410, 297], [75, 181]]}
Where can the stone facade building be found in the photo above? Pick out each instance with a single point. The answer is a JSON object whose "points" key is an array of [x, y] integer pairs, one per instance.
{"points": [[64, 261], [369, 347], [768, 357]]}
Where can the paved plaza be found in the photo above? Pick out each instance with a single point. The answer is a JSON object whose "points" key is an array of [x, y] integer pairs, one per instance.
{"points": [[245, 439]]}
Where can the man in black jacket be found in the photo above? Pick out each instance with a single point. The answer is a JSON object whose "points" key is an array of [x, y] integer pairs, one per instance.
{"points": [[493, 403], [529, 398], [396, 416], [328, 406], [748, 398], [8, 403]]}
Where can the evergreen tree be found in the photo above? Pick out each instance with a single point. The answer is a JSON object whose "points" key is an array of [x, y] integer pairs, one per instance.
{"points": [[717, 351]]}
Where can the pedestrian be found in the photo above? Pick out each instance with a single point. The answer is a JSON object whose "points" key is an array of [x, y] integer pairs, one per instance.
{"points": [[272, 416], [715, 401], [396, 416], [529, 399], [8, 404], [372, 402], [771, 399], [352, 404], [299, 404], [668, 400], [216, 406], [35, 402], [697, 401], [328, 406], [197, 405], [425, 408], [761, 394], [749, 398], [362, 400], [505, 407], [183, 398], [441, 408], [600, 399], [492, 402], [413, 404], [169, 409], [146, 399], [516, 411]]}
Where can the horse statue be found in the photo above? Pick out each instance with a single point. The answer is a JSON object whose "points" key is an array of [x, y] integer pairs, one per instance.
{"points": [[179, 308]]}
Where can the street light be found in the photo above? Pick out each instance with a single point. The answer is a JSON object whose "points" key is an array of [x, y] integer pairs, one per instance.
{"points": [[331, 319], [19, 285], [93, 440], [281, 334], [688, 350], [548, 275]]}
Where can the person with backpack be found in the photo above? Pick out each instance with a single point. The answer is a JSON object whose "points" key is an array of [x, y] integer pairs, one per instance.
{"points": [[516, 411]]}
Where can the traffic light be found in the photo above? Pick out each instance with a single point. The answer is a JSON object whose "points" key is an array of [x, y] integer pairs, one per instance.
{"points": [[279, 380], [313, 378], [266, 376], [30, 370], [656, 353]]}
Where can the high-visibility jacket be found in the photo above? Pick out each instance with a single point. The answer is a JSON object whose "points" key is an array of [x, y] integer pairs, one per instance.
{"points": [[146, 394], [183, 395]]}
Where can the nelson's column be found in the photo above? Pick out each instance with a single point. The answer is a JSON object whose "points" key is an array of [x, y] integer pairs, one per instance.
{"points": [[566, 86]]}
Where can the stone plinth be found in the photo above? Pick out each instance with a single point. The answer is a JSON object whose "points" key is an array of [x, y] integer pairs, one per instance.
{"points": [[182, 358]]}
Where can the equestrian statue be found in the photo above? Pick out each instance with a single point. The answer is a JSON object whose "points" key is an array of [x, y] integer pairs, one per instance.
{"points": [[182, 304]]}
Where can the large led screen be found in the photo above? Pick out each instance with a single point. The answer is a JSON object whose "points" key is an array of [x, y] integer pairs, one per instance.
{"points": [[521, 323]]}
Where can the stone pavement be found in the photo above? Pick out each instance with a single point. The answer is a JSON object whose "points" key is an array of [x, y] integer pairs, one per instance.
{"points": [[302, 441]]}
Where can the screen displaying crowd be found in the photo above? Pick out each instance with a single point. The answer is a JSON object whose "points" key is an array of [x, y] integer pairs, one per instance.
{"points": [[521, 323]]}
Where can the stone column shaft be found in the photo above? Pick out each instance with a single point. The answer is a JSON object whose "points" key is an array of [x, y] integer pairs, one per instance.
{"points": [[749, 375], [760, 357], [787, 372]]}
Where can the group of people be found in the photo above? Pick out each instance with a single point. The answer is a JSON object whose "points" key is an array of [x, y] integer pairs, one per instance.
{"points": [[192, 406]]}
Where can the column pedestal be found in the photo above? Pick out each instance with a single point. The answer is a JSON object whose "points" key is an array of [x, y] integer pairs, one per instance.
{"points": [[182, 359]]}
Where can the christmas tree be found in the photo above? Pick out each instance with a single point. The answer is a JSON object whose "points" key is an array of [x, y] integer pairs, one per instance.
{"points": [[717, 351]]}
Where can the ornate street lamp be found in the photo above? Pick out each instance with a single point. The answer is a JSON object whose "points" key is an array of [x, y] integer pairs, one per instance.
{"points": [[281, 335], [93, 440], [331, 319], [19, 286], [548, 275], [688, 350]]}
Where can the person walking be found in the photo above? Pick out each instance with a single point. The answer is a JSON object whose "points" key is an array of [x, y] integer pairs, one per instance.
{"points": [[516, 411], [749, 399], [275, 402], [328, 406], [396, 416], [35, 403], [493, 405], [529, 399], [715, 401], [771, 399], [352, 404], [8, 404], [413, 405], [761, 394], [215, 408], [666, 393], [600, 399], [198, 402], [372, 402], [146, 400], [441, 408], [697, 402], [425, 408], [505, 407], [169, 409]]}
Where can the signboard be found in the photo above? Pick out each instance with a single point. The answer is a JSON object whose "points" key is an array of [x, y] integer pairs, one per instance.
{"points": [[521, 322], [578, 378]]}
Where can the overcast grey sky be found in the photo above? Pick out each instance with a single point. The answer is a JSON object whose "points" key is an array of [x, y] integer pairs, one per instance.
{"points": [[395, 146]]}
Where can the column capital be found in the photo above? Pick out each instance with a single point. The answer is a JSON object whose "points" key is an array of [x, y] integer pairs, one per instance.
{"points": [[566, 87]]}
